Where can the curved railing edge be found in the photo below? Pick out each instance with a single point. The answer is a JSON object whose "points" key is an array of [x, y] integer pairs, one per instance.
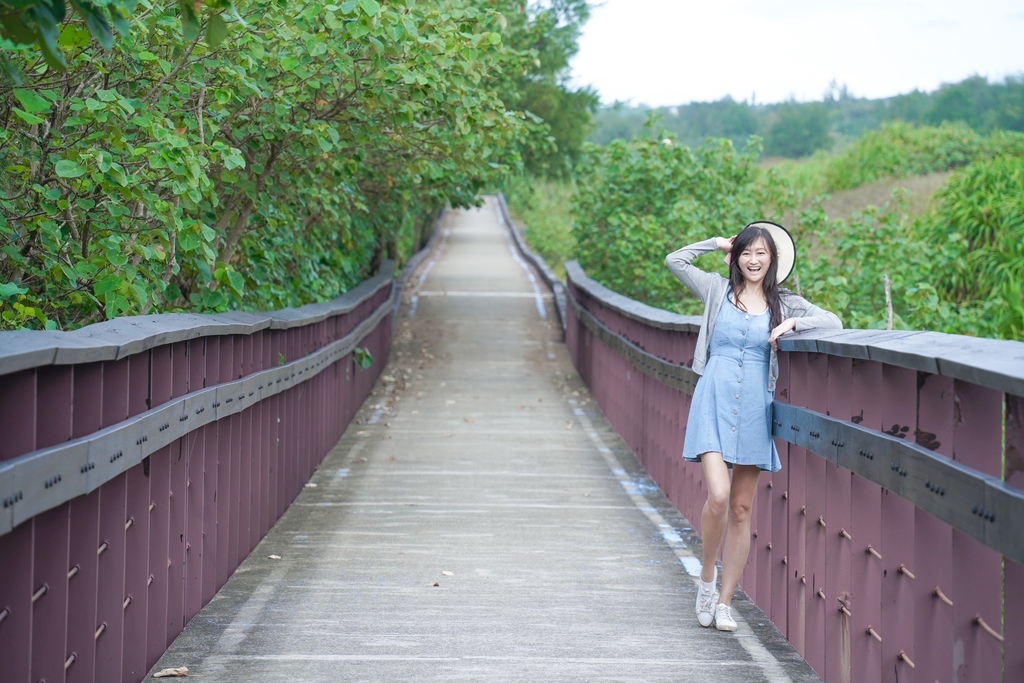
{"points": [[979, 505], [81, 465], [993, 363], [126, 336], [547, 274]]}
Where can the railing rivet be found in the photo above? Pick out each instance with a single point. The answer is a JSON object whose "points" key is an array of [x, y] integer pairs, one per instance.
{"points": [[874, 552], [70, 660], [803, 579], [903, 656], [129, 524], [821, 521], [874, 634], [40, 592], [845, 534], [906, 572], [803, 510], [73, 571], [4, 613], [942, 596], [127, 601], [100, 630], [821, 594], [988, 629], [842, 608]]}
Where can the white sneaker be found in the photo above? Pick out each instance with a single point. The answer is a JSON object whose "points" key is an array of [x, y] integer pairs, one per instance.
{"points": [[723, 618], [706, 600]]}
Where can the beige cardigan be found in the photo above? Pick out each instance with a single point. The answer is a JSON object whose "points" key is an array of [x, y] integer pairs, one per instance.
{"points": [[711, 288]]}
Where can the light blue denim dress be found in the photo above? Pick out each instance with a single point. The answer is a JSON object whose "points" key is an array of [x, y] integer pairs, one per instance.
{"points": [[731, 411]]}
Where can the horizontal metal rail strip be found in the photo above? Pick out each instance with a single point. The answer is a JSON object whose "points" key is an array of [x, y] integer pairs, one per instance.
{"points": [[888, 547], [47, 478], [143, 458], [979, 505]]}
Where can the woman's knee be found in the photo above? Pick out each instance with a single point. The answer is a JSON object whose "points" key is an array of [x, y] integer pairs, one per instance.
{"points": [[718, 499], [739, 511]]}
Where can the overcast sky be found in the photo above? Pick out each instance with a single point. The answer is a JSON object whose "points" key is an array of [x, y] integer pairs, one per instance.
{"points": [[668, 52]]}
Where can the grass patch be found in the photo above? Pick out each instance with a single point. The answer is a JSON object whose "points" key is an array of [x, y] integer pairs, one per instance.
{"points": [[541, 209]]}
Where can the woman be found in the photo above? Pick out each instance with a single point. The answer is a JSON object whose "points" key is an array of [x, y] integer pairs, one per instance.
{"points": [[729, 427]]}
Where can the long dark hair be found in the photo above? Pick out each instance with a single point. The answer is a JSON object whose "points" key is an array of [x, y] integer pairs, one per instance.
{"points": [[770, 284]]}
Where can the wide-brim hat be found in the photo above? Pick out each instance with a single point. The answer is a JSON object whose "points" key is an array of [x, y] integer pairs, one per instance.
{"points": [[785, 248]]}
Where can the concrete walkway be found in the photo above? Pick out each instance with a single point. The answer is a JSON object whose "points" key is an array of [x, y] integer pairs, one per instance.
{"points": [[479, 522]]}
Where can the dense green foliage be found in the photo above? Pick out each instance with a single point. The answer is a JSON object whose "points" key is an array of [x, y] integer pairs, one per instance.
{"points": [[277, 167], [38, 23], [636, 202], [793, 129], [798, 131], [958, 268], [551, 30], [897, 150], [542, 212], [981, 210]]}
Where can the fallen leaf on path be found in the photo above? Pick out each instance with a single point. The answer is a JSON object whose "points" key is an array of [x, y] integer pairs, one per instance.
{"points": [[448, 573], [310, 485], [175, 671], [273, 557], [469, 419]]}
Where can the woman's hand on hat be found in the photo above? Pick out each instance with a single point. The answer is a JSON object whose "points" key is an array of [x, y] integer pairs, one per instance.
{"points": [[725, 244], [787, 325]]}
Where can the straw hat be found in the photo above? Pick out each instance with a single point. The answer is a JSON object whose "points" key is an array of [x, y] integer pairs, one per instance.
{"points": [[785, 248]]}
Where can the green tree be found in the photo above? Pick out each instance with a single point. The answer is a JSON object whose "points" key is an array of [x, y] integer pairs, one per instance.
{"points": [[274, 169], [636, 202], [548, 34], [798, 130], [38, 23]]}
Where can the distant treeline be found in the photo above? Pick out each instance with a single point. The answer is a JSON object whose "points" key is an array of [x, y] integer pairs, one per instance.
{"points": [[798, 129]]}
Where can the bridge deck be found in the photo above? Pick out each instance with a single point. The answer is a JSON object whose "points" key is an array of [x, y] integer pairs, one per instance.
{"points": [[479, 522]]}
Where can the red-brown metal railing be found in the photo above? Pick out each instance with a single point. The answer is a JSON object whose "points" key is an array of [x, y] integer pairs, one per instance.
{"points": [[142, 460], [888, 548]]}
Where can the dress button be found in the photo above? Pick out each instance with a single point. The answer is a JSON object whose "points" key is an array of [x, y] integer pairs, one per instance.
{"points": [[734, 429], [737, 395], [746, 317], [739, 379]]}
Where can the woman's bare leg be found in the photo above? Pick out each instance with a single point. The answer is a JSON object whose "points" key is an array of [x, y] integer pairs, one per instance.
{"points": [[737, 541], [715, 513]]}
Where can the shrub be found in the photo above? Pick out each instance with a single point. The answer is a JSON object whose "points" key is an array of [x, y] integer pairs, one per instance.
{"points": [[637, 202]]}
